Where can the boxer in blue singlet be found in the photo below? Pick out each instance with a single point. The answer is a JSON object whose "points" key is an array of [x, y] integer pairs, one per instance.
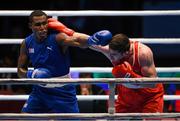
{"points": [[48, 54]]}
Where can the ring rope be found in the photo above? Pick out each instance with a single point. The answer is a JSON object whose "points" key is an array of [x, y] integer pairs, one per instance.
{"points": [[79, 97], [89, 80], [110, 81], [95, 13], [115, 116], [95, 69], [143, 40]]}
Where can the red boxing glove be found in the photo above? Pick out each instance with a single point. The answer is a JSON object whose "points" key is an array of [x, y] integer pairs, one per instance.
{"points": [[56, 25], [124, 70]]}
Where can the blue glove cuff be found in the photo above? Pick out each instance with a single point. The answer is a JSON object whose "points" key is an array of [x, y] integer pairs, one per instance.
{"points": [[29, 73], [91, 41]]}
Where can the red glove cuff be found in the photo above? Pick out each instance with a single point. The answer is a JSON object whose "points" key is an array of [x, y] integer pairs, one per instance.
{"points": [[55, 24], [68, 31]]}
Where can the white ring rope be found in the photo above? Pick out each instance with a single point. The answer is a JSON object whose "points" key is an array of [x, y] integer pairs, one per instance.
{"points": [[143, 40], [110, 81], [96, 69], [11, 41], [95, 116], [93, 80], [79, 97], [89, 80], [95, 13]]}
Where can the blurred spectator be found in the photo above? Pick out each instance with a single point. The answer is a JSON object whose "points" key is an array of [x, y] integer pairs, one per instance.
{"points": [[89, 89], [85, 89], [170, 89], [7, 106], [94, 106], [104, 86], [7, 61], [177, 92]]}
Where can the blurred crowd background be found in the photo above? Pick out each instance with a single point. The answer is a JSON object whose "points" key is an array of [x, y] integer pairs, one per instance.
{"points": [[134, 27]]}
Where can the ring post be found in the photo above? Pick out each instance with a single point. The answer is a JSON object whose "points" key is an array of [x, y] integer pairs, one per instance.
{"points": [[111, 109]]}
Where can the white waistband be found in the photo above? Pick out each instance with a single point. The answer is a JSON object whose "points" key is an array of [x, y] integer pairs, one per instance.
{"points": [[61, 77], [132, 86], [56, 85]]}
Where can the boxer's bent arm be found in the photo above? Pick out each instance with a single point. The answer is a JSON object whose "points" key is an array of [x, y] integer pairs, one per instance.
{"points": [[147, 65], [22, 61], [77, 40]]}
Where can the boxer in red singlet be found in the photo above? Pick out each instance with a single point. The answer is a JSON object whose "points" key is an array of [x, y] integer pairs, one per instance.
{"points": [[134, 60]]}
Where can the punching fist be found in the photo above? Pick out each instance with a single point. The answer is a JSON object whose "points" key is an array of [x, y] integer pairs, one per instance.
{"points": [[58, 26], [100, 38], [38, 73], [124, 70]]}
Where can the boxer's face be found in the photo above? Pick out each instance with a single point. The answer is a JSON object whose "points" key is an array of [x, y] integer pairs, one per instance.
{"points": [[40, 27], [116, 56]]}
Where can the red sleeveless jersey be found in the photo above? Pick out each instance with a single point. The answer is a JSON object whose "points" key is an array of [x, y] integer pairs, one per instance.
{"points": [[140, 99]]}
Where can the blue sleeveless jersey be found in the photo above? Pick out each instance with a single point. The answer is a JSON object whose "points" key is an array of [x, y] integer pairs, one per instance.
{"points": [[48, 54]]}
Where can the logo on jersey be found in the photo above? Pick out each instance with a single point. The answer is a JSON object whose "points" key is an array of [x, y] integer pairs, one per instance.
{"points": [[127, 75], [31, 50], [49, 48]]}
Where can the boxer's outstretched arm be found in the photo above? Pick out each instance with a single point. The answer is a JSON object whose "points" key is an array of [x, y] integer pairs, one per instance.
{"points": [[83, 40], [77, 40]]}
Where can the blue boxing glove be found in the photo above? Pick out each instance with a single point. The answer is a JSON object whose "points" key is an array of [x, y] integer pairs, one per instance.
{"points": [[39, 73], [100, 38]]}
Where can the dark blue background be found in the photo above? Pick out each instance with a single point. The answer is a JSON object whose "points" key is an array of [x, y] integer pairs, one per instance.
{"points": [[134, 27]]}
